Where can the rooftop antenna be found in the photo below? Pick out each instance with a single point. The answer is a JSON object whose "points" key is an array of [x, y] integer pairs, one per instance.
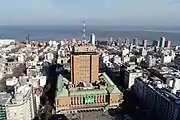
{"points": [[84, 31]]}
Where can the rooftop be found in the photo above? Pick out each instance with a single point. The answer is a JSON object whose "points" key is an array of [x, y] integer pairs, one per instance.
{"points": [[104, 77], [63, 83], [88, 92], [4, 97], [163, 91], [20, 95], [84, 48]]}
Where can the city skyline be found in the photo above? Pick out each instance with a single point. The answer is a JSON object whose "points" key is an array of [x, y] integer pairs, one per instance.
{"points": [[101, 12]]}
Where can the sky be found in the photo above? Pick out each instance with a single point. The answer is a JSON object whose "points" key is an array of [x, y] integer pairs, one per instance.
{"points": [[94, 12]]}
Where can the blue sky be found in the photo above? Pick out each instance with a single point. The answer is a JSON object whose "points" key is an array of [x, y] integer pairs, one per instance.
{"points": [[110, 12]]}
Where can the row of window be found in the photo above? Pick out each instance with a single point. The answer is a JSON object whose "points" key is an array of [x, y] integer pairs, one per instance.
{"points": [[81, 100]]}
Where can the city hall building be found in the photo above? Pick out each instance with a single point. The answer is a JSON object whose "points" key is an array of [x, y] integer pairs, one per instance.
{"points": [[88, 89]]}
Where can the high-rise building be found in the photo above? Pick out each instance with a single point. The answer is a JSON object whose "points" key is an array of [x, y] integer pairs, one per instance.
{"points": [[126, 41], [84, 64], [156, 43], [93, 39], [135, 41], [162, 42], [21, 106], [118, 41], [144, 43], [88, 89], [168, 44], [110, 41]]}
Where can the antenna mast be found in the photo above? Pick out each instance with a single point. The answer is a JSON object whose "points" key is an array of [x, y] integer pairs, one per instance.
{"points": [[84, 31]]}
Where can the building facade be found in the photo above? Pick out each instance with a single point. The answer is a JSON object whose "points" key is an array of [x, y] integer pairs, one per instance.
{"points": [[156, 98], [21, 106], [93, 39], [71, 98], [3, 99], [88, 89], [168, 44], [145, 43], [162, 42], [84, 64]]}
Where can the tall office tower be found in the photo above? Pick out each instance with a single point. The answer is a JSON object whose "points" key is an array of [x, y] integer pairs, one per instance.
{"points": [[84, 64], [126, 41], [135, 41], [144, 43], [168, 44], [93, 39], [162, 42], [156, 43]]}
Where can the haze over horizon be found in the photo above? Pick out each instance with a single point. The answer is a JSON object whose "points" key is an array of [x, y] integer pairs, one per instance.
{"points": [[94, 12]]}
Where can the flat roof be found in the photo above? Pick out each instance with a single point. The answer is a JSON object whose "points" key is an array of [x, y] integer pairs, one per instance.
{"points": [[113, 90], [106, 78], [63, 91], [88, 92], [4, 97]]}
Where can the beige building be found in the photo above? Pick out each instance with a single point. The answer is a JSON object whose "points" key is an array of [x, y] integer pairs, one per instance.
{"points": [[84, 64]]}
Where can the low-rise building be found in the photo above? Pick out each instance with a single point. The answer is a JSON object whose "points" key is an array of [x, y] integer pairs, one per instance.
{"points": [[71, 98]]}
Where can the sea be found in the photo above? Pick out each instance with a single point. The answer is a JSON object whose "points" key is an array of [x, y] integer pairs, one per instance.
{"points": [[61, 32]]}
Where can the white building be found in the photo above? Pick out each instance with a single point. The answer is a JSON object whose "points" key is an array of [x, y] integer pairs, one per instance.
{"points": [[166, 59], [50, 43], [117, 59], [49, 57], [63, 60], [93, 39], [6, 41], [174, 84], [125, 52], [42, 81], [143, 51], [125, 58], [20, 58], [130, 76], [11, 81], [61, 52], [21, 106], [151, 61], [62, 43], [172, 54]]}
